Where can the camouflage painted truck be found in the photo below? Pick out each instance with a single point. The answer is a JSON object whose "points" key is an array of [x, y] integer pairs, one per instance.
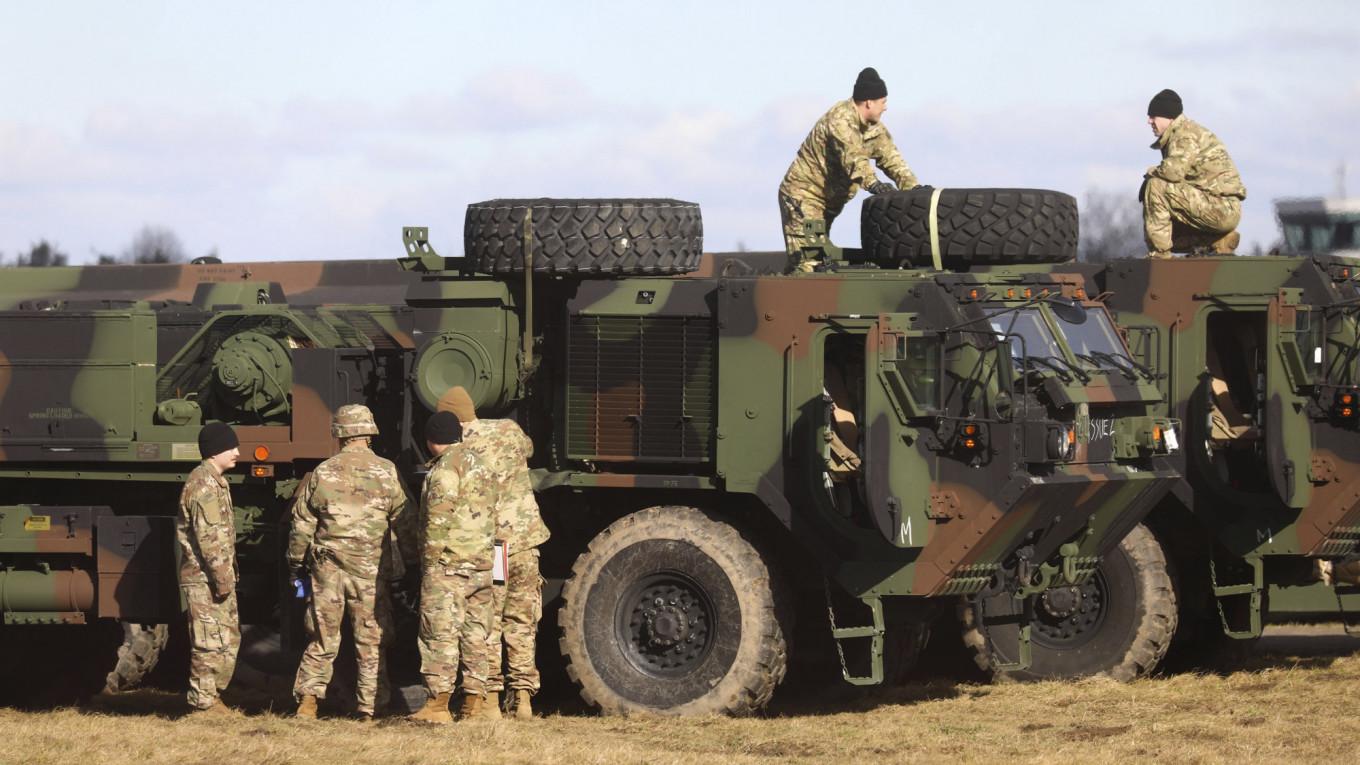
{"points": [[713, 448], [1257, 356]]}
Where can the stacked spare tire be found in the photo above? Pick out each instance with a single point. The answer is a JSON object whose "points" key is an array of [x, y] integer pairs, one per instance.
{"points": [[974, 227], [614, 237], [585, 236]]}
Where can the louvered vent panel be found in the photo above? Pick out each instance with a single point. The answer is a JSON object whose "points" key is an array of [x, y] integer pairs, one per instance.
{"points": [[640, 388]]}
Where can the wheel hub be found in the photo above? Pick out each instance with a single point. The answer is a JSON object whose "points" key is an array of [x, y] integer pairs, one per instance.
{"points": [[667, 626], [1062, 601], [1068, 616], [668, 623]]}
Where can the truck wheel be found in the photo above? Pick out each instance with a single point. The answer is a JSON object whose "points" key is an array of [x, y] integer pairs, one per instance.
{"points": [[976, 227], [585, 236], [137, 656], [671, 611], [1118, 624]]}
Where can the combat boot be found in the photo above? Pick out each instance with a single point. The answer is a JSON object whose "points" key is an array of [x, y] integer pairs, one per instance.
{"points": [[473, 708], [216, 710], [491, 708], [306, 708], [1227, 244], [436, 710], [524, 710]]}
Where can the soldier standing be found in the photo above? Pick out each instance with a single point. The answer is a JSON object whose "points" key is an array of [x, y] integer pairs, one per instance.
{"points": [[834, 163], [1192, 200], [518, 604], [206, 531], [458, 502], [346, 512]]}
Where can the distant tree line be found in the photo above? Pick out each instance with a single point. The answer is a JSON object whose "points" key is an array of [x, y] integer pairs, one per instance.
{"points": [[151, 244]]}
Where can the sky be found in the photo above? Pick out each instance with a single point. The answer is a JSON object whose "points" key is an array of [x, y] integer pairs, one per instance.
{"points": [[316, 130]]}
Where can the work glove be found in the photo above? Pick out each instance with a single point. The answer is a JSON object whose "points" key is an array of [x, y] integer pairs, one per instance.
{"points": [[881, 187]]}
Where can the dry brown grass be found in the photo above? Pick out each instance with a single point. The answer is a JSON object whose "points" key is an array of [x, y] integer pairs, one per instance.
{"points": [[1291, 701]]}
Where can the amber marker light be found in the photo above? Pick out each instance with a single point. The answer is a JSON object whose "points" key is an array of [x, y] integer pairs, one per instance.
{"points": [[974, 294], [1010, 293], [1157, 433], [262, 471], [1347, 398], [1028, 293], [261, 453], [1346, 411]]}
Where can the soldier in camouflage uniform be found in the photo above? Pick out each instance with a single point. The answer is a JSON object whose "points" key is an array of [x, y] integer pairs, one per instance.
{"points": [[345, 517], [206, 532], [518, 602], [1192, 200], [459, 511], [833, 164]]}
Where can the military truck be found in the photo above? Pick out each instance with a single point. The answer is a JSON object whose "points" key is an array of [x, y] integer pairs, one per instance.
{"points": [[1257, 357], [1315, 225], [715, 445]]}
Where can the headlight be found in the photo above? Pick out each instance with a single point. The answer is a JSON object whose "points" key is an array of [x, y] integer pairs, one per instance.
{"points": [[1062, 443]]}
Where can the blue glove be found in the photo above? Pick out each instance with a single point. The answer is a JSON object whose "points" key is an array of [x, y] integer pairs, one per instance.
{"points": [[302, 587]]}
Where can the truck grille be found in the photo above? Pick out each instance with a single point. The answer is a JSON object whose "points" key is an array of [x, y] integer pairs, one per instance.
{"points": [[640, 388]]}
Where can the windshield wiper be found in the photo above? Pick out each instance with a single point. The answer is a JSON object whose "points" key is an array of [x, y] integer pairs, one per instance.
{"points": [[1126, 364], [1047, 363], [1076, 370]]}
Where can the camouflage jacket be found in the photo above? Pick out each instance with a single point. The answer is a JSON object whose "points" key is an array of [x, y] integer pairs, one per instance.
{"points": [[1191, 154], [352, 509], [834, 161], [459, 508], [506, 451], [206, 529]]}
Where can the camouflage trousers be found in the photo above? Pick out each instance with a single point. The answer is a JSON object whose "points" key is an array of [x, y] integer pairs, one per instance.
{"points": [[517, 607], [336, 592], [794, 208], [455, 613], [1178, 217], [214, 638]]}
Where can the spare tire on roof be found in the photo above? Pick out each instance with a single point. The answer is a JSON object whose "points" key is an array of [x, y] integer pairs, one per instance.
{"points": [[976, 227], [586, 236]]}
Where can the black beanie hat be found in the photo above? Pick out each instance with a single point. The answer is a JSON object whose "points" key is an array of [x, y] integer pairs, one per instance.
{"points": [[443, 428], [215, 438], [1166, 104], [869, 86]]}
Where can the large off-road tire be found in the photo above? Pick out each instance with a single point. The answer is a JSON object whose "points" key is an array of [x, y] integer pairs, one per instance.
{"points": [[137, 656], [1121, 625], [977, 227], [672, 611], [585, 236]]}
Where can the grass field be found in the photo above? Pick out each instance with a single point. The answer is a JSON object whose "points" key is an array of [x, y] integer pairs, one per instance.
{"points": [[1293, 699]]}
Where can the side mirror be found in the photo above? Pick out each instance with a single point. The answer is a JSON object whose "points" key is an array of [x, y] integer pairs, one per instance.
{"points": [[1068, 310]]}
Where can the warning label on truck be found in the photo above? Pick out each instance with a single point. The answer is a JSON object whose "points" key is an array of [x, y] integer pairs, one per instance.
{"points": [[38, 523]]}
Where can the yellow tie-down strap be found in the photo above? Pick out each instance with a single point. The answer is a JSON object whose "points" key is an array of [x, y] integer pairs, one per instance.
{"points": [[933, 223]]}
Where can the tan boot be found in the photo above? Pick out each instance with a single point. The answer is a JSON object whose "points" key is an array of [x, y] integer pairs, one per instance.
{"points": [[524, 710], [217, 709], [306, 708], [436, 710], [472, 707], [1227, 244], [491, 708]]}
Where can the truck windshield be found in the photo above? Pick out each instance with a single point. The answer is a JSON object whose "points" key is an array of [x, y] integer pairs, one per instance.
{"points": [[1029, 324], [1095, 342]]}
